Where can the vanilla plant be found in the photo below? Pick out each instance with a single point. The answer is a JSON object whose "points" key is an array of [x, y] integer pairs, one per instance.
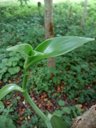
{"points": [[49, 48]]}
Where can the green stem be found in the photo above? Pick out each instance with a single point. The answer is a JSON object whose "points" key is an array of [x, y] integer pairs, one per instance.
{"points": [[25, 79], [48, 123], [31, 102], [34, 106], [29, 99]]}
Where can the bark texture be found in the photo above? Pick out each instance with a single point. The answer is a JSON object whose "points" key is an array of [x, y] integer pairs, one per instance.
{"points": [[48, 19], [85, 13], [49, 32], [87, 120]]}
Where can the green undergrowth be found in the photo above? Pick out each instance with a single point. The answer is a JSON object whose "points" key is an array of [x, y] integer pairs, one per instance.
{"points": [[75, 72]]}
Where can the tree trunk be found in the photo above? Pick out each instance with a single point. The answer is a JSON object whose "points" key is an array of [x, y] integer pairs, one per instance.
{"points": [[87, 120], [84, 16], [49, 26]]}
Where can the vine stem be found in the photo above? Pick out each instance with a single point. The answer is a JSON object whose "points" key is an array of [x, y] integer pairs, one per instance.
{"points": [[29, 99], [31, 102], [37, 110], [34, 106]]}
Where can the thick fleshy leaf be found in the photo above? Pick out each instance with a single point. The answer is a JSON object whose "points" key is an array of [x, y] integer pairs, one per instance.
{"points": [[58, 122], [61, 45], [49, 48], [25, 49], [33, 59], [55, 47], [9, 88]]}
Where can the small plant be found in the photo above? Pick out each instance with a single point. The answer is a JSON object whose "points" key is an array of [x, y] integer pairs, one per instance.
{"points": [[10, 65], [5, 120], [49, 48]]}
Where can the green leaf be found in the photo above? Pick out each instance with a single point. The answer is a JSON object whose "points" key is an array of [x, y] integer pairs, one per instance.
{"points": [[25, 49], [9, 88], [66, 110], [57, 122], [6, 122], [61, 103], [61, 45], [49, 48], [13, 70], [58, 112], [55, 47], [1, 106]]}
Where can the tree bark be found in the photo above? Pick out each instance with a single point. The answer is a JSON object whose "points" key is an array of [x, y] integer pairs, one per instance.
{"points": [[84, 16], [49, 32], [87, 120]]}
